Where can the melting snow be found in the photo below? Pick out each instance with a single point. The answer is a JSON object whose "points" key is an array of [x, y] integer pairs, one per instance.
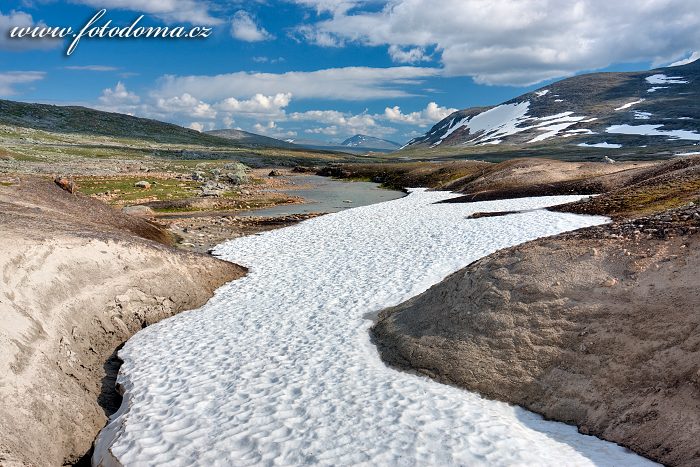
{"points": [[653, 130], [656, 88], [663, 79], [638, 115], [542, 92], [600, 145], [278, 367], [629, 104]]}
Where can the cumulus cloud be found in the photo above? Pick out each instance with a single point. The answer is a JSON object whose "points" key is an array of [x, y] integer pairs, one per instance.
{"points": [[432, 114], [186, 105], [21, 19], [118, 95], [350, 83], [197, 126], [258, 105], [244, 28], [342, 123], [171, 11], [10, 79], [518, 42], [410, 55]]}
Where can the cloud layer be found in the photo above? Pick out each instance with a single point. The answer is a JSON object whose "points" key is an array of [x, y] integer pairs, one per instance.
{"points": [[516, 42]]}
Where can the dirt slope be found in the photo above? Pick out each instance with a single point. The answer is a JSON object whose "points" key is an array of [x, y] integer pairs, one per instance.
{"points": [[77, 280], [598, 328]]}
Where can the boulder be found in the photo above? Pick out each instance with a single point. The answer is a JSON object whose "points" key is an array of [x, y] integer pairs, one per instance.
{"points": [[138, 211], [143, 184]]}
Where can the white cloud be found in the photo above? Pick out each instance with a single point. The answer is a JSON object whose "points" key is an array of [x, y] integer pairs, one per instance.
{"points": [[21, 19], [350, 83], [186, 105], [197, 126], [10, 79], [342, 123], [432, 114], [118, 96], [258, 105], [171, 11], [694, 56], [410, 55], [244, 28], [519, 42]]}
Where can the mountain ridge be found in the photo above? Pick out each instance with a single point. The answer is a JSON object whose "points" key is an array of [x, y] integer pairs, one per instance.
{"points": [[608, 110]]}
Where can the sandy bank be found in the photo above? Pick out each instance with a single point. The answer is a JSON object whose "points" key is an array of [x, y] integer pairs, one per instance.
{"points": [[78, 279], [598, 328]]}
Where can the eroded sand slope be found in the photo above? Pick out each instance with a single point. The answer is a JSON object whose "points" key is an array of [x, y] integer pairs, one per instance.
{"points": [[75, 282]]}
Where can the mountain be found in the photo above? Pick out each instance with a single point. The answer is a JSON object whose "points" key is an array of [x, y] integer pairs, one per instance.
{"points": [[252, 139], [622, 110], [370, 143], [358, 144], [82, 120]]}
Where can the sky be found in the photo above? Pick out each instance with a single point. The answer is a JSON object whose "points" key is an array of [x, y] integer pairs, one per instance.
{"points": [[330, 69]]}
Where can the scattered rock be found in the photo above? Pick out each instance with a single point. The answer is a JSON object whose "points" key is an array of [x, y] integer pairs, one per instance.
{"points": [[66, 184], [138, 211], [143, 184]]}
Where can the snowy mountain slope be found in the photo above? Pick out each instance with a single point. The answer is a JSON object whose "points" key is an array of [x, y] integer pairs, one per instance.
{"points": [[370, 143], [599, 110], [251, 139]]}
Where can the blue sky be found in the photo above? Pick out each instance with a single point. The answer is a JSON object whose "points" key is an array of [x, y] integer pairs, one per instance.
{"points": [[328, 69]]}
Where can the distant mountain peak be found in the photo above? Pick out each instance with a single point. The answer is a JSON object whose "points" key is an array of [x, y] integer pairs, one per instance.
{"points": [[369, 142]]}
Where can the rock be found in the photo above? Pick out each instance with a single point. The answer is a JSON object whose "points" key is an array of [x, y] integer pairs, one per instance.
{"points": [[138, 211], [66, 183], [198, 176], [237, 178], [349, 201], [143, 184], [274, 173], [607, 160]]}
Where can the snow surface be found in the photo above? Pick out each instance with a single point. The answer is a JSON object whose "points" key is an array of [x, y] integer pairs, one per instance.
{"points": [[629, 104], [639, 115], [656, 88], [652, 130], [663, 79], [600, 145], [542, 93], [278, 368]]}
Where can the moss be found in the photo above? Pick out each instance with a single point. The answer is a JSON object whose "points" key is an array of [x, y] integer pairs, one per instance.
{"points": [[161, 189]]}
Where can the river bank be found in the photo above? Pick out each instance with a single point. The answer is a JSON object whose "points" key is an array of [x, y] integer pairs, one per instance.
{"points": [[78, 279]]}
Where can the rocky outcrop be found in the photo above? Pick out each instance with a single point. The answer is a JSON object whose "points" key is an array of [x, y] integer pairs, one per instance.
{"points": [[75, 283], [598, 328]]}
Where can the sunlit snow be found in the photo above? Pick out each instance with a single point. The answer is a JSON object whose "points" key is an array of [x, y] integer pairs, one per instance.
{"points": [[278, 367]]}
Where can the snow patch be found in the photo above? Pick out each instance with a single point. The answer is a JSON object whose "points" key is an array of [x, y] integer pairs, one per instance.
{"points": [[278, 368], [629, 104], [663, 79], [542, 93], [653, 130], [638, 115], [600, 145]]}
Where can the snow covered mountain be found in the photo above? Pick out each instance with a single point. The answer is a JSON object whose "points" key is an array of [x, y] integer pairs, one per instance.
{"points": [[600, 110], [370, 143]]}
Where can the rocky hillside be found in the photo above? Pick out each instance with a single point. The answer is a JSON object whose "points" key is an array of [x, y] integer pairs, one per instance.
{"points": [[599, 111], [85, 121]]}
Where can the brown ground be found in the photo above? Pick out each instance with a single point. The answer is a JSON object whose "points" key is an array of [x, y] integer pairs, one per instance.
{"points": [[78, 279], [599, 328]]}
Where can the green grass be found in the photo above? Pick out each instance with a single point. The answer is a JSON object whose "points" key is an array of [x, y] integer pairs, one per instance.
{"points": [[162, 190]]}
